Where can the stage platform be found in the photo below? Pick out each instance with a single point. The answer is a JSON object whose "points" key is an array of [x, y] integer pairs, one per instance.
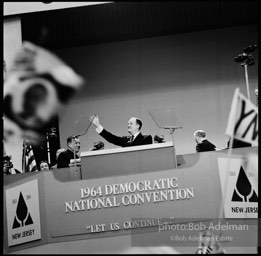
{"points": [[133, 200]]}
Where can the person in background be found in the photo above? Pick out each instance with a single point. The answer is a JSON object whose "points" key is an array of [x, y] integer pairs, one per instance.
{"points": [[98, 145], [74, 145], [202, 143], [136, 138], [44, 166], [8, 167], [58, 151]]}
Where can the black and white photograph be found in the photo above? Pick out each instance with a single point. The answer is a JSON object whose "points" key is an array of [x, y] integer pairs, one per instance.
{"points": [[130, 127]]}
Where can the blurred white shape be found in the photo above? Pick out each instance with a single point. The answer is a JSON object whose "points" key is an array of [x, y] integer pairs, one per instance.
{"points": [[37, 87], [151, 250]]}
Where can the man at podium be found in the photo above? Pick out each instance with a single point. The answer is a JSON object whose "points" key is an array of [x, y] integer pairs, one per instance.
{"points": [[136, 138]]}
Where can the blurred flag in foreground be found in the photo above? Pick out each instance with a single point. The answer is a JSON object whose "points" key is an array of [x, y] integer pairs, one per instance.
{"points": [[37, 86], [208, 244], [28, 160], [150, 250], [243, 119]]}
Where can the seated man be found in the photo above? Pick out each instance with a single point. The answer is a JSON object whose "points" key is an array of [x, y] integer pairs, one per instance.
{"points": [[134, 126], [58, 151], [202, 143], [73, 144]]}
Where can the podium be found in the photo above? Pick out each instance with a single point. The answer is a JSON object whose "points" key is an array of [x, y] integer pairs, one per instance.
{"points": [[165, 119]]}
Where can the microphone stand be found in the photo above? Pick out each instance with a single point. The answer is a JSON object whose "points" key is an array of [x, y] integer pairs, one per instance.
{"points": [[75, 164], [247, 83], [48, 149], [74, 156], [51, 134]]}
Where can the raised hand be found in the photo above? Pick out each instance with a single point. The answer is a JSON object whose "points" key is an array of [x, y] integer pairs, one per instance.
{"points": [[95, 120]]}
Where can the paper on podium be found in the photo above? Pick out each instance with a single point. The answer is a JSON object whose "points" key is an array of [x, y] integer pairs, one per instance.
{"points": [[165, 118], [81, 126]]}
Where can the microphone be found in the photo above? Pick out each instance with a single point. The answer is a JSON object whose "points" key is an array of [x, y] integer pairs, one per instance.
{"points": [[98, 145], [53, 132], [159, 138]]}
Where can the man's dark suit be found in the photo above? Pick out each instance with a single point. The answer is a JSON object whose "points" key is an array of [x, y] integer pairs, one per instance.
{"points": [[64, 158], [125, 141], [205, 145]]}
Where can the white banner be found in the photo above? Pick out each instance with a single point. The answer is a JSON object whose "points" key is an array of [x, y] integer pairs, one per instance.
{"points": [[243, 119], [23, 215], [239, 188]]}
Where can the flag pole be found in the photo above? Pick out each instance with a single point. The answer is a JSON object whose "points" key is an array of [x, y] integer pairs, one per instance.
{"points": [[74, 156], [229, 153], [230, 130]]}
